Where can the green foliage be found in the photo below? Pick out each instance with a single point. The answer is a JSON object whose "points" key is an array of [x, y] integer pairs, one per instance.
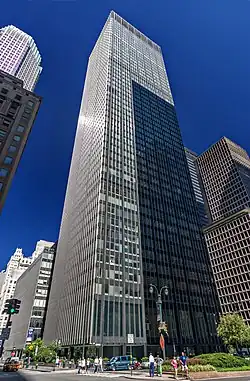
{"points": [[39, 352], [166, 367], [144, 359], [196, 361], [223, 360], [232, 329], [91, 352], [246, 340], [201, 368]]}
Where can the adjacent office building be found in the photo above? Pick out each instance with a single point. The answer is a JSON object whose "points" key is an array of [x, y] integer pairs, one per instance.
{"points": [[17, 265], [197, 186], [20, 67], [32, 289], [19, 56], [225, 172], [130, 216], [18, 110]]}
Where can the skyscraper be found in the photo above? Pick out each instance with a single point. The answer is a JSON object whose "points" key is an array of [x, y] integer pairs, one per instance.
{"points": [[129, 217], [225, 172], [19, 56], [18, 110], [197, 186]]}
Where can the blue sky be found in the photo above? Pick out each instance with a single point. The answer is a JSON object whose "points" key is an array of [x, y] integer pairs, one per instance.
{"points": [[206, 49]]}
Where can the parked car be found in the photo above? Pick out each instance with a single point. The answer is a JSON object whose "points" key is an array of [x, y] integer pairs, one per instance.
{"points": [[120, 363]]}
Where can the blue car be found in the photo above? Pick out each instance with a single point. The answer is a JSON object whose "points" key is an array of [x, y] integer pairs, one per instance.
{"points": [[120, 363]]}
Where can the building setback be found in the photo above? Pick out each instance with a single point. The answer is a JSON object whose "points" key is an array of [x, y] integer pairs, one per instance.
{"points": [[18, 109], [32, 289], [225, 172], [197, 186], [130, 216], [19, 56]]}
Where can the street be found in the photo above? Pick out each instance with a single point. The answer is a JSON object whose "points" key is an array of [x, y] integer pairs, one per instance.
{"points": [[39, 376], [51, 376]]}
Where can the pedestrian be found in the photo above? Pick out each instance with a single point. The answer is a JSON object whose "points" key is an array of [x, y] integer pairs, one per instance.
{"points": [[87, 365], [183, 361], [174, 364], [101, 364], [96, 364], [151, 365], [159, 362], [57, 362], [79, 366], [84, 364]]}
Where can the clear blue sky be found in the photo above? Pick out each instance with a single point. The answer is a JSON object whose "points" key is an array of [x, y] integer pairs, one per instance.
{"points": [[206, 49]]}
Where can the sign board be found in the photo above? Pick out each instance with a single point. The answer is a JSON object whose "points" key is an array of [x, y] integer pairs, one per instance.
{"points": [[29, 335], [130, 338]]}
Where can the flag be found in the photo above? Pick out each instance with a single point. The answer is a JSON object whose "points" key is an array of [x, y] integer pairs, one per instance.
{"points": [[162, 342]]}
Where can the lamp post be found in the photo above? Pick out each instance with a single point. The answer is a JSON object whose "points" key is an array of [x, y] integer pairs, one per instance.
{"points": [[164, 290]]}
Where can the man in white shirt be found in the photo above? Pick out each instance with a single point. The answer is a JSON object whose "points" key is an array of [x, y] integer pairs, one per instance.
{"points": [[151, 365]]}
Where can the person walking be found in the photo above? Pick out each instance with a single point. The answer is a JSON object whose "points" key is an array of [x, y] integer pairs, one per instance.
{"points": [[174, 364], [83, 364], [101, 364], [159, 362], [87, 365], [183, 361], [79, 366], [151, 365], [96, 364]]}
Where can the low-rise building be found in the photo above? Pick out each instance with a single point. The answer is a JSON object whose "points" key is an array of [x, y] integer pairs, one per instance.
{"points": [[33, 290]]}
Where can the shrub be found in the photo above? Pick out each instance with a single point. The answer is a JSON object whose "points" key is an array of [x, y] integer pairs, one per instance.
{"points": [[144, 359], [196, 361], [223, 360], [166, 367], [201, 368]]}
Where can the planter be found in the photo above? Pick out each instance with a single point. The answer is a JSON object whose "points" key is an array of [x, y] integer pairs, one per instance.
{"points": [[202, 375]]}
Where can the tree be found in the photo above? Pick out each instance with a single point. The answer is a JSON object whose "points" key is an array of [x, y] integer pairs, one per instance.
{"points": [[232, 329], [38, 351], [246, 341]]}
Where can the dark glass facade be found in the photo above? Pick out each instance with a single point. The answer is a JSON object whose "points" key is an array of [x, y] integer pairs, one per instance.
{"points": [[173, 248]]}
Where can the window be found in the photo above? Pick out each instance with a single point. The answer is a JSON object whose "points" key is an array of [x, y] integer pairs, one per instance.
{"points": [[18, 97], [4, 91], [2, 133], [20, 128], [1, 186], [17, 138], [6, 123], [30, 104], [8, 160], [12, 149], [3, 172]]}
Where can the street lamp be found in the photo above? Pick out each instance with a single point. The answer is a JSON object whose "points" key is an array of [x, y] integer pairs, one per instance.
{"points": [[163, 290]]}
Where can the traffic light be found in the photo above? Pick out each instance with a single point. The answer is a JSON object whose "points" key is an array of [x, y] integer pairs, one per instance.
{"points": [[12, 306]]}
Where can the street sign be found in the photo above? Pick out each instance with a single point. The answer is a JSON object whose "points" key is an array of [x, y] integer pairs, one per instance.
{"points": [[130, 338]]}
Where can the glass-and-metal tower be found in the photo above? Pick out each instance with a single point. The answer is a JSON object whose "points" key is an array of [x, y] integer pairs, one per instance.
{"points": [[129, 216], [197, 186], [19, 56]]}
